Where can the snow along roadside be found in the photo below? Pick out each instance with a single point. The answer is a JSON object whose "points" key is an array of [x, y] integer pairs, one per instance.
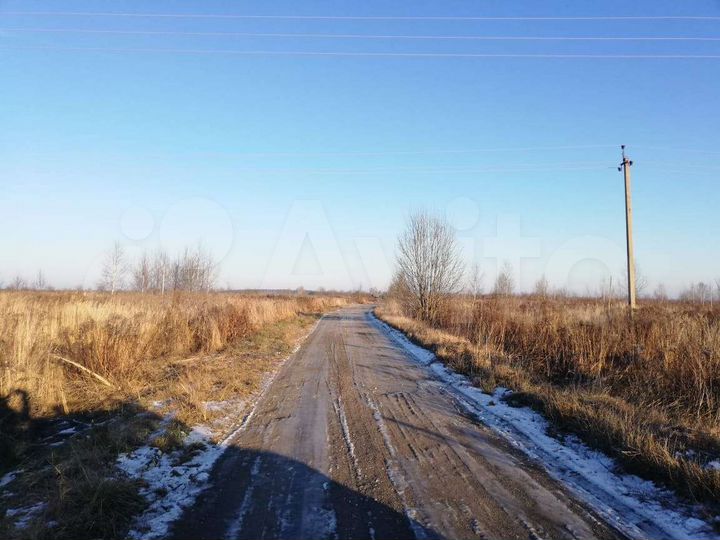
{"points": [[636, 507], [172, 484]]}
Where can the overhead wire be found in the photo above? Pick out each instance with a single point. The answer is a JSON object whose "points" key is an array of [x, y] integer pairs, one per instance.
{"points": [[355, 36], [368, 54], [364, 17]]}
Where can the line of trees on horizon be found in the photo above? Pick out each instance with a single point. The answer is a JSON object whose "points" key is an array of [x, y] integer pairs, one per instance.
{"points": [[192, 270], [429, 269]]}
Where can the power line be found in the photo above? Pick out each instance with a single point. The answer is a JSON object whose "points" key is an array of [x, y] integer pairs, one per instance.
{"points": [[677, 149], [380, 153], [451, 151], [361, 17], [682, 172], [356, 36], [423, 170], [590, 166], [422, 152], [365, 54], [701, 167]]}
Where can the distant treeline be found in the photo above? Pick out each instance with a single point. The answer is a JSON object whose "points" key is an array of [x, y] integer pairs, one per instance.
{"points": [[192, 270]]}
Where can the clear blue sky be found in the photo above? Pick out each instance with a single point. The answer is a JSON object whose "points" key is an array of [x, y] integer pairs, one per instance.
{"points": [[301, 169]]}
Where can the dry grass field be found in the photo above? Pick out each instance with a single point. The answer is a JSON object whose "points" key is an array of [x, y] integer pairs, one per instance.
{"points": [[76, 351], [114, 369], [646, 391]]}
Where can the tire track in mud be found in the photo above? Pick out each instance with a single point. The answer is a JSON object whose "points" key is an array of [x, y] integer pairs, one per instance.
{"points": [[465, 480], [354, 440], [361, 462]]}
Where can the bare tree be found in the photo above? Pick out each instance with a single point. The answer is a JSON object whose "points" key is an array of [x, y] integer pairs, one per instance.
{"points": [[505, 282], [476, 285], [689, 294], [697, 292], [641, 281], [398, 290], [429, 263], [160, 272], [18, 284], [704, 291], [142, 274], [607, 288], [660, 293], [115, 268], [40, 283], [542, 287], [194, 270]]}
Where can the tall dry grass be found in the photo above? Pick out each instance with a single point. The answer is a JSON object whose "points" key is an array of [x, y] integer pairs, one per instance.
{"points": [[669, 351], [115, 366], [119, 337], [646, 391]]}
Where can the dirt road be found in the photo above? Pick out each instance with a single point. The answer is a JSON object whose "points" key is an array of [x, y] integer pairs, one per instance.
{"points": [[355, 440]]}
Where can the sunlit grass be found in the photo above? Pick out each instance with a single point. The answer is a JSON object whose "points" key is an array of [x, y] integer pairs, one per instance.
{"points": [[646, 391]]}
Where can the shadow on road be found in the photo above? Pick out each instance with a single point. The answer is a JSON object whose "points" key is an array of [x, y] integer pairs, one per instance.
{"points": [[258, 494], [251, 494]]}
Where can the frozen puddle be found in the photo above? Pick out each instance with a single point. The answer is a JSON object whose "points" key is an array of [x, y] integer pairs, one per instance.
{"points": [[637, 507]]}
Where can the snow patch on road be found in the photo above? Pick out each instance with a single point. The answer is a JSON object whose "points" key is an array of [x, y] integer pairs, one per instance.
{"points": [[637, 507], [24, 515], [235, 526], [7, 478], [321, 523], [174, 480]]}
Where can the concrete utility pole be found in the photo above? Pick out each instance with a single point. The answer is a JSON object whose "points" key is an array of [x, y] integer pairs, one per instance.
{"points": [[625, 168]]}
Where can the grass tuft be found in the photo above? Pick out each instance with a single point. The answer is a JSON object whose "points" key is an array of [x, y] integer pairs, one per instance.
{"points": [[171, 438]]}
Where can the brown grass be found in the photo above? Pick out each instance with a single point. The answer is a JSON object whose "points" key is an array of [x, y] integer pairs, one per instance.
{"points": [[139, 357], [646, 391], [84, 495], [128, 339]]}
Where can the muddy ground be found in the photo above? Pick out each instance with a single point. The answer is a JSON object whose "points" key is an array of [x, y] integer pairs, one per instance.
{"points": [[356, 440]]}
